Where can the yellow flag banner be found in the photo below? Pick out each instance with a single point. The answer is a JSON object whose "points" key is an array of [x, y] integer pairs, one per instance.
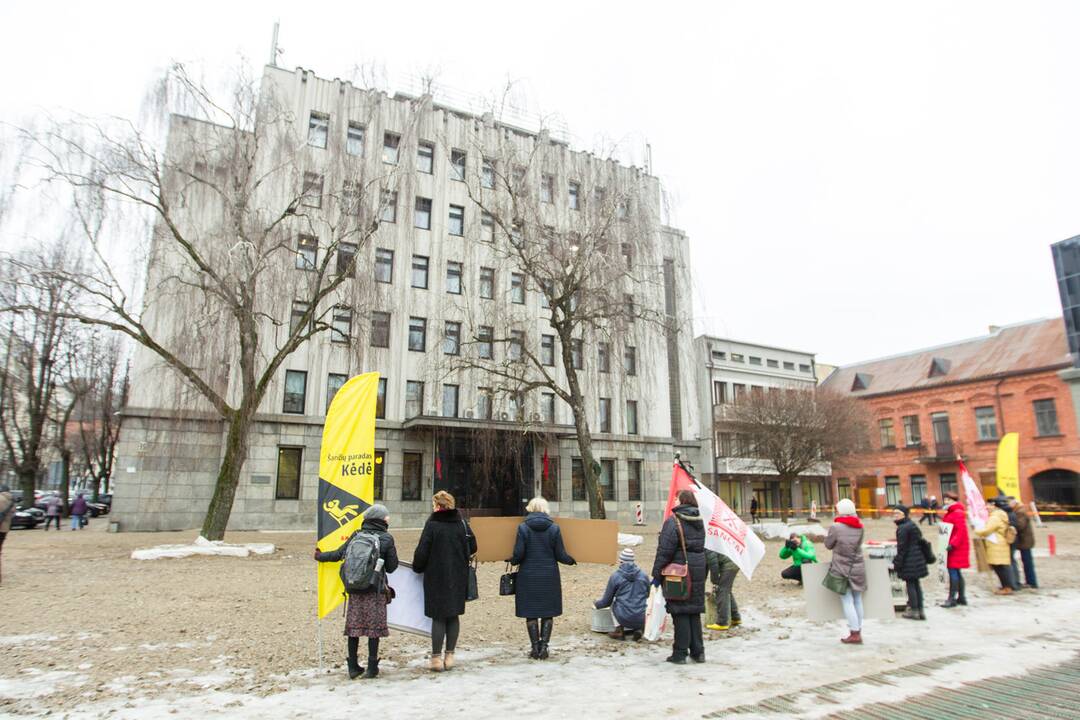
{"points": [[1008, 465], [346, 476]]}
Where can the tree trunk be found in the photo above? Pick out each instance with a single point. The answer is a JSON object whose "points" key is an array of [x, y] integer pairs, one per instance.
{"points": [[592, 478], [27, 483], [236, 449]]}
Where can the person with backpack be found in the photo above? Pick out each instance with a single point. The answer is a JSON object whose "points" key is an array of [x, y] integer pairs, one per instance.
{"points": [[627, 593], [681, 549], [367, 557], [999, 535], [910, 561], [442, 555], [959, 554]]}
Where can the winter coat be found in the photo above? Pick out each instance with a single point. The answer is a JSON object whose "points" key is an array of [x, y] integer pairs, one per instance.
{"points": [[538, 551], [669, 550], [959, 555], [442, 555], [54, 506], [847, 557], [909, 563], [805, 553], [7, 509], [387, 549], [1025, 530], [997, 553], [718, 564], [626, 594], [79, 506]]}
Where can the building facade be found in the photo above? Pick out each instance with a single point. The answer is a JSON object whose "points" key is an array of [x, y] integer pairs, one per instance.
{"points": [[932, 406], [729, 371], [434, 279]]}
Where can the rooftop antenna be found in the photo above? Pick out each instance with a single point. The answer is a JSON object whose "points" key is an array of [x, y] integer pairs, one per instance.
{"points": [[274, 49]]}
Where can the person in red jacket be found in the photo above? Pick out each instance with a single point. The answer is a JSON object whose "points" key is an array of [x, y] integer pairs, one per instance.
{"points": [[959, 555]]}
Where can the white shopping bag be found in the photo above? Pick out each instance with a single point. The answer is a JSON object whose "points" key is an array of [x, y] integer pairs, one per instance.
{"points": [[655, 615]]}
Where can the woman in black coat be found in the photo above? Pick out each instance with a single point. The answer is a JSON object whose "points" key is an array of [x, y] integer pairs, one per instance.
{"points": [[537, 551], [442, 555], [910, 563], [685, 613]]}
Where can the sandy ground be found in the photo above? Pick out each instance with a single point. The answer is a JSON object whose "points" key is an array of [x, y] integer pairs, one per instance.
{"points": [[84, 628]]}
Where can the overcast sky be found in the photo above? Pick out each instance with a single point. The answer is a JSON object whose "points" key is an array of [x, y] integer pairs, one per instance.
{"points": [[857, 178]]}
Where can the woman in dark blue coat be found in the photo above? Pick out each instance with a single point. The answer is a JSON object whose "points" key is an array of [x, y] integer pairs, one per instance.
{"points": [[537, 551], [685, 613]]}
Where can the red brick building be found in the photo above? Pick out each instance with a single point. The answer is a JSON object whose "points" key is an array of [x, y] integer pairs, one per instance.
{"points": [[932, 405]]}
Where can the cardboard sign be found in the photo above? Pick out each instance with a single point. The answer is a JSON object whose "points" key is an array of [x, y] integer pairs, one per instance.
{"points": [[822, 604], [587, 541], [406, 612]]}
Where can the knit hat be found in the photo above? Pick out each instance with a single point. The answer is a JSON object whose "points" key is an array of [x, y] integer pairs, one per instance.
{"points": [[845, 507], [377, 512], [902, 508], [626, 555]]}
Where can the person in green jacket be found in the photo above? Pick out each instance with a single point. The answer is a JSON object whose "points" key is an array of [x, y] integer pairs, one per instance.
{"points": [[800, 550], [722, 572]]}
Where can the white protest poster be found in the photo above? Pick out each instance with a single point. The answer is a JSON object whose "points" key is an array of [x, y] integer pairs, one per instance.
{"points": [[822, 604], [726, 533], [944, 534], [406, 612]]}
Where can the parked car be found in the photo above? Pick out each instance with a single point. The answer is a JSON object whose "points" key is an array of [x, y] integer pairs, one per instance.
{"points": [[26, 519], [97, 508]]}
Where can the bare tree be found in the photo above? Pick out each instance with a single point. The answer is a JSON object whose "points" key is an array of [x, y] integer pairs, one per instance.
{"points": [[98, 417], [253, 247], [795, 429]]}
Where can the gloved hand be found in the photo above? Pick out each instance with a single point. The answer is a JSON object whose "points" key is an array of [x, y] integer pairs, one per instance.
{"points": [[656, 582]]}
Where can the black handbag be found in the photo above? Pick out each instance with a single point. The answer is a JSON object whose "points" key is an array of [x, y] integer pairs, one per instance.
{"points": [[508, 582]]}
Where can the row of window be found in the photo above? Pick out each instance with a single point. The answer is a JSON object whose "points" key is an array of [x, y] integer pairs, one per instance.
{"points": [[894, 492], [755, 360], [986, 426]]}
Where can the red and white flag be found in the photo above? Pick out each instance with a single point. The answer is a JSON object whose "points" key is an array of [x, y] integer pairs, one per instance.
{"points": [[725, 531], [976, 504]]}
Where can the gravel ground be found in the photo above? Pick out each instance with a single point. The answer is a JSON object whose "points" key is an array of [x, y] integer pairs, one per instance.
{"points": [[77, 608]]}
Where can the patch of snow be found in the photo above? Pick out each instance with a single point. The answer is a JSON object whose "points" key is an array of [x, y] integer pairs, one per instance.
{"points": [[628, 540], [27, 639], [781, 531], [202, 546], [33, 682]]}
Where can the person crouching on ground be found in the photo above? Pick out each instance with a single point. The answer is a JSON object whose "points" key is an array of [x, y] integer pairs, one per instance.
{"points": [[959, 554], [538, 550], [997, 532], [365, 615], [845, 540], [682, 541], [627, 593], [801, 550], [442, 555], [722, 572], [910, 562]]}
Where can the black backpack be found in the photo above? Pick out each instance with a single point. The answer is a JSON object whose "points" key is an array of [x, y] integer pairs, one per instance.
{"points": [[927, 551]]}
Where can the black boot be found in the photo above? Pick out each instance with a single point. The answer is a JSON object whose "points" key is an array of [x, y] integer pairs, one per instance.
{"points": [[372, 669], [961, 596], [355, 670], [534, 637], [951, 602], [545, 636]]}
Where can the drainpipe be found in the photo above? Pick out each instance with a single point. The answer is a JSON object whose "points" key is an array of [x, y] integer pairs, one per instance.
{"points": [[997, 401]]}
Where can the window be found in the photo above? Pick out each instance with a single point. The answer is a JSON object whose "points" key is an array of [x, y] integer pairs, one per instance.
{"points": [[517, 288], [487, 174], [295, 392], [296, 318], [346, 253], [517, 403], [457, 165], [892, 490], [350, 197], [547, 408], [547, 350], [772, 363], [388, 206], [725, 445], [289, 462], [577, 480], [719, 355], [549, 482], [739, 392], [449, 401], [307, 252], [789, 365], [939, 421], [755, 360], [380, 329], [547, 290], [843, 489], [487, 227], [622, 210], [379, 474], [384, 265], [341, 324], [633, 481], [333, 384], [519, 177], [414, 398], [918, 489], [380, 400], [603, 357], [608, 487], [1046, 422], [631, 417], [313, 190], [487, 283], [605, 415], [457, 220], [453, 277], [629, 360], [986, 423], [575, 354], [720, 396], [574, 195], [419, 272], [411, 464], [885, 430], [804, 368], [912, 437], [547, 189], [354, 140], [425, 157], [517, 344], [417, 334], [947, 482], [452, 338], [517, 234], [736, 357], [484, 403], [422, 216], [317, 130], [390, 144], [485, 342]]}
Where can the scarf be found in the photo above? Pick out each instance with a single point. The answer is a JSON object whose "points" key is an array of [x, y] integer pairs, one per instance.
{"points": [[850, 521]]}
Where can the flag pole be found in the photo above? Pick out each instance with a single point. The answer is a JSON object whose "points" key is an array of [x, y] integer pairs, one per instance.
{"points": [[318, 634]]}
